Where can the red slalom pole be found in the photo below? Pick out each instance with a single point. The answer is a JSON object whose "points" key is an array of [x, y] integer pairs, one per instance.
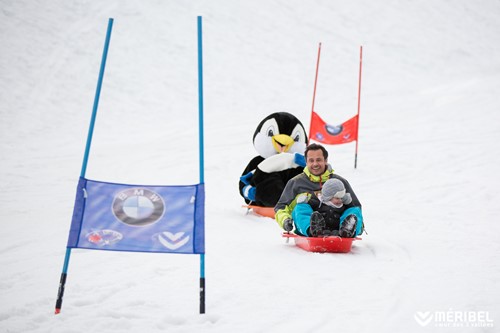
{"points": [[359, 104], [314, 91]]}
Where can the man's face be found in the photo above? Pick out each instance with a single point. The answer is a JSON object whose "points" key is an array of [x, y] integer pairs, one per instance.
{"points": [[316, 163]]}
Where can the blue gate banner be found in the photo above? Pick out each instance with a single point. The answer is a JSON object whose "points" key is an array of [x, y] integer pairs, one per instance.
{"points": [[138, 218]]}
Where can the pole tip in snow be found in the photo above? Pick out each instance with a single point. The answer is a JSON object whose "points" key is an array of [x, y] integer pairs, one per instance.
{"points": [[58, 311]]}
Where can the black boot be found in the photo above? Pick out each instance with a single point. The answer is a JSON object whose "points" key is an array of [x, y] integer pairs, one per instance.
{"points": [[318, 225], [348, 228]]}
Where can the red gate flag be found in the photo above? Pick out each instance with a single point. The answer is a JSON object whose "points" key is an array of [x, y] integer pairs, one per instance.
{"points": [[333, 134]]}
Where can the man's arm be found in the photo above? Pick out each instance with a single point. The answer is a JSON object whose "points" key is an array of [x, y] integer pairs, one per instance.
{"points": [[284, 207]]}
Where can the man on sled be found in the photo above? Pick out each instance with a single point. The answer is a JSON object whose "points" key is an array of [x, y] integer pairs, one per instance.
{"points": [[317, 202]]}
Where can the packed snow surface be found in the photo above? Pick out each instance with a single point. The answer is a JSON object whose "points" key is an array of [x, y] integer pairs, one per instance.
{"points": [[427, 172]]}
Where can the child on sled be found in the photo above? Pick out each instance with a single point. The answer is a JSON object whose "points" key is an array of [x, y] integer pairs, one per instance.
{"points": [[328, 213]]}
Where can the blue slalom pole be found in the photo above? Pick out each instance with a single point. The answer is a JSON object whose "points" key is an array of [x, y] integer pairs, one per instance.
{"points": [[96, 98], [200, 131], [200, 100], [64, 274]]}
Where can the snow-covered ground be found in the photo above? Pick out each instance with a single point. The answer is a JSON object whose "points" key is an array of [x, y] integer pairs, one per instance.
{"points": [[427, 167]]}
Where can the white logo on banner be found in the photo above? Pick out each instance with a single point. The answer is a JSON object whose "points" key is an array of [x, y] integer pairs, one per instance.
{"points": [[172, 241]]}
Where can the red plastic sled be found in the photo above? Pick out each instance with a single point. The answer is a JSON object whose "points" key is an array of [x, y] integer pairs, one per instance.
{"points": [[262, 211], [334, 244]]}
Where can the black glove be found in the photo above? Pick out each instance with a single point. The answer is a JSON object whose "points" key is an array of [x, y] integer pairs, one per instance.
{"points": [[288, 224]]}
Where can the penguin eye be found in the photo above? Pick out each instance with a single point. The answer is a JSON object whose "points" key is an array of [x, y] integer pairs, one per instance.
{"points": [[298, 134], [269, 128]]}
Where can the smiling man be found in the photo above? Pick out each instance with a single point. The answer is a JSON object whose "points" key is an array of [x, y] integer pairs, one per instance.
{"points": [[316, 159], [310, 181]]}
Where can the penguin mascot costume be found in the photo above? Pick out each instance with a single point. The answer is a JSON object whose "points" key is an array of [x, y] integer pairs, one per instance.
{"points": [[280, 140]]}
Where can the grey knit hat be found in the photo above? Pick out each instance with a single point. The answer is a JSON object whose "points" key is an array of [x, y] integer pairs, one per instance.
{"points": [[335, 188], [332, 188]]}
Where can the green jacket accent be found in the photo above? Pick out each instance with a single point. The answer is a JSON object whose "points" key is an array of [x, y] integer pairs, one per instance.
{"points": [[305, 182]]}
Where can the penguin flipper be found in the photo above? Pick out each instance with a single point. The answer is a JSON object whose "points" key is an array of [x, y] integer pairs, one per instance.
{"points": [[252, 165]]}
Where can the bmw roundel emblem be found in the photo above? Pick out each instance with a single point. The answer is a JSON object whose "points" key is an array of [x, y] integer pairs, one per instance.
{"points": [[138, 206], [334, 130]]}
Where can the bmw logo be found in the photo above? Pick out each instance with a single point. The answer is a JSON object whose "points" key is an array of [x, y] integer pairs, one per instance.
{"points": [[138, 206], [334, 130]]}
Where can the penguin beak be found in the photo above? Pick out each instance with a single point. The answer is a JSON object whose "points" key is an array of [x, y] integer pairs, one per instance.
{"points": [[282, 143]]}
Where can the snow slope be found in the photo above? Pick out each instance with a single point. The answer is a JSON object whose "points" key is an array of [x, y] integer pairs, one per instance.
{"points": [[427, 166]]}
